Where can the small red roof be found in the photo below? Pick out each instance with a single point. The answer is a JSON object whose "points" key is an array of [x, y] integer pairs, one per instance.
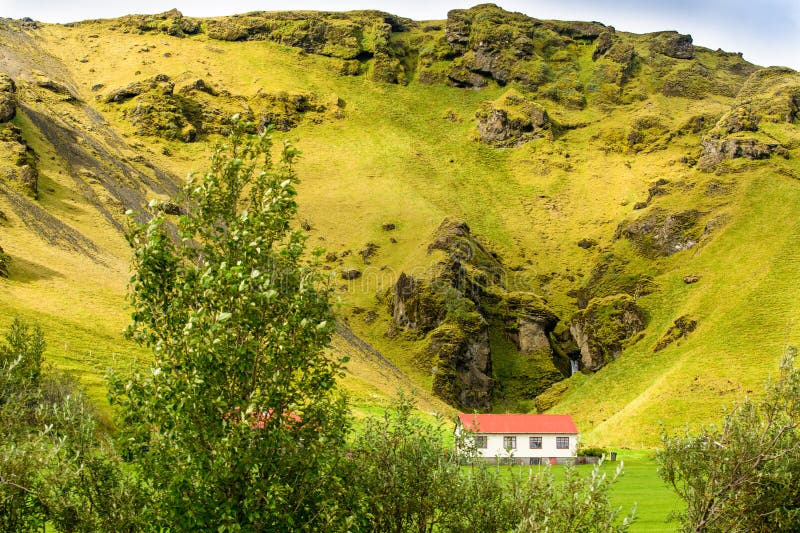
{"points": [[518, 423]]}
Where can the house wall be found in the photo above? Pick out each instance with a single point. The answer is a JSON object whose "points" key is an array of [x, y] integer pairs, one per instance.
{"points": [[494, 446]]}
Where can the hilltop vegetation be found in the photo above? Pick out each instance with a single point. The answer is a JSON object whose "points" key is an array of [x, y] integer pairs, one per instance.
{"points": [[501, 199]]}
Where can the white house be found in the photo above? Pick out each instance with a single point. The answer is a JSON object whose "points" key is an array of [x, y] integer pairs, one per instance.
{"points": [[521, 438]]}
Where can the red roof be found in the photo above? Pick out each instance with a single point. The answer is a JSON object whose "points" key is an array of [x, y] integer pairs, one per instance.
{"points": [[517, 423]]}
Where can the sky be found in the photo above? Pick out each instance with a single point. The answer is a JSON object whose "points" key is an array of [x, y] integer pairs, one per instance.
{"points": [[767, 32]]}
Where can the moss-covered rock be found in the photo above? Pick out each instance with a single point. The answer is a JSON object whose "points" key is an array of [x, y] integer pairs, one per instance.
{"points": [[160, 84], [611, 275], [647, 133], [680, 329], [602, 328], [461, 362], [8, 103], [673, 44], [660, 233], [18, 161], [415, 306], [717, 150], [4, 261], [171, 22], [512, 120]]}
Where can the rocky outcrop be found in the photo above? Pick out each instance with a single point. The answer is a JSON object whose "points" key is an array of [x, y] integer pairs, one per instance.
{"points": [[489, 44], [602, 328], [680, 329], [529, 322], [8, 103], [612, 274], [160, 83], [171, 22], [673, 44], [769, 95], [4, 260], [461, 362], [351, 274], [415, 306], [512, 120], [18, 164], [454, 310], [717, 150], [661, 234]]}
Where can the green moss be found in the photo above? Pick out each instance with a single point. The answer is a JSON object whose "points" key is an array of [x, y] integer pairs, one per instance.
{"points": [[606, 323], [613, 274]]}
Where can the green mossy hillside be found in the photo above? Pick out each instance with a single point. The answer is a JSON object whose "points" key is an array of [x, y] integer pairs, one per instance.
{"points": [[613, 167]]}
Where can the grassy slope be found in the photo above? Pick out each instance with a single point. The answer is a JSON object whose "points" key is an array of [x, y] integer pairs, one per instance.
{"points": [[396, 158]]}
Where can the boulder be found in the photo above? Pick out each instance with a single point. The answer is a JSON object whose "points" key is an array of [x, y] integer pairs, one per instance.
{"points": [[529, 322], [602, 328], [54, 86], [196, 84]]}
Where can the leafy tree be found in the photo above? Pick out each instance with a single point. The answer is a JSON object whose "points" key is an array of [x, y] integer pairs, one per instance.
{"points": [[238, 423], [407, 479], [54, 464], [745, 474]]}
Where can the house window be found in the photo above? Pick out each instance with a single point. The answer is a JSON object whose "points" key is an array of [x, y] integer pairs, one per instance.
{"points": [[562, 443], [481, 441], [510, 443], [536, 443]]}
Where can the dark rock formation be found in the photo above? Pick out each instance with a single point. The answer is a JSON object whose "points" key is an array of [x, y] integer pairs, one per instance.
{"points": [[457, 306], [512, 120], [368, 252], [461, 360], [587, 243], [717, 150], [4, 260], [196, 84], [18, 166], [351, 273], [529, 322], [673, 44], [602, 328], [603, 43], [679, 330], [8, 104], [416, 306], [160, 83], [661, 234]]}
